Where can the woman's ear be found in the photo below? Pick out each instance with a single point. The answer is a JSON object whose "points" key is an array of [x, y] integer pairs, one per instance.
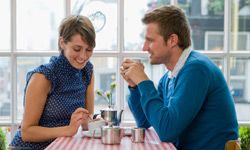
{"points": [[61, 43]]}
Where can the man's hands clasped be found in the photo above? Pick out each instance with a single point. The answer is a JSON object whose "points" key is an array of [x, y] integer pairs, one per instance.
{"points": [[133, 72]]}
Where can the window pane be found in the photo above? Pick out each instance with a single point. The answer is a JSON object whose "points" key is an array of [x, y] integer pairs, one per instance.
{"points": [[103, 15], [5, 25], [240, 25], [218, 62], [24, 65], [37, 24], [240, 86], [105, 74], [154, 72], [5, 89], [240, 79], [206, 19], [133, 27]]}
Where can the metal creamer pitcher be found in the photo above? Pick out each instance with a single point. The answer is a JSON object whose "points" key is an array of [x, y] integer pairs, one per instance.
{"points": [[111, 117]]}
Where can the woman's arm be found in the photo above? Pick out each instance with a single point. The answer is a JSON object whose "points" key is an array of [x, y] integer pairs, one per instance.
{"points": [[36, 96], [90, 96]]}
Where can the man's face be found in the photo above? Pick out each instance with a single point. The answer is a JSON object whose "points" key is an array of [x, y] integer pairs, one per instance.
{"points": [[158, 49]]}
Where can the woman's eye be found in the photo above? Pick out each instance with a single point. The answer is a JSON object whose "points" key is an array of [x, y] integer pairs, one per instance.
{"points": [[89, 50]]}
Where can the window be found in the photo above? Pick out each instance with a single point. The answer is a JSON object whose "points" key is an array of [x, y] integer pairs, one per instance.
{"points": [[5, 25], [204, 16], [103, 15], [214, 40], [239, 65], [37, 24], [5, 89], [105, 73], [133, 27], [220, 29], [240, 22]]}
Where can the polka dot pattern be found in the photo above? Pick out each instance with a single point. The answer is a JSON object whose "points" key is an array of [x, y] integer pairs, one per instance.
{"points": [[68, 92]]}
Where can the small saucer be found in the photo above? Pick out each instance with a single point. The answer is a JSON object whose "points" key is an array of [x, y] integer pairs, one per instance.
{"points": [[127, 131]]}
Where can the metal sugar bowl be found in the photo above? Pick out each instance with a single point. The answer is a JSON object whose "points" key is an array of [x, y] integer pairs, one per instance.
{"points": [[111, 134]]}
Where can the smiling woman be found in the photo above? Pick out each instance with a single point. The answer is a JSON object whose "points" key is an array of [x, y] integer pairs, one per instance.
{"points": [[76, 51], [59, 95]]}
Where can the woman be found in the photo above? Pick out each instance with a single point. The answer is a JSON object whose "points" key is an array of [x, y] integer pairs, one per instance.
{"points": [[59, 96]]}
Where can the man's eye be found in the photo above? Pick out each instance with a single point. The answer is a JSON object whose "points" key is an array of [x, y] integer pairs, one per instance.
{"points": [[77, 49]]}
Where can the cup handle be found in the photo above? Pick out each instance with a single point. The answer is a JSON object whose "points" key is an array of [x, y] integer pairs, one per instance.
{"points": [[122, 133], [93, 135]]}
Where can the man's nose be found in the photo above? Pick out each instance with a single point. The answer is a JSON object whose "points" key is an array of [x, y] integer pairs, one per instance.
{"points": [[145, 47]]}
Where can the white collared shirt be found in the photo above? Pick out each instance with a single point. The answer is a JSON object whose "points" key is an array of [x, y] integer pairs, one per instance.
{"points": [[180, 63]]}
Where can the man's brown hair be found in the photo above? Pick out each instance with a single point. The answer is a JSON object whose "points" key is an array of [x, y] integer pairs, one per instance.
{"points": [[171, 20]]}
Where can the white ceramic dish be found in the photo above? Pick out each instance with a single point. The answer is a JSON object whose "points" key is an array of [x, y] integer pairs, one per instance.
{"points": [[96, 134], [96, 124]]}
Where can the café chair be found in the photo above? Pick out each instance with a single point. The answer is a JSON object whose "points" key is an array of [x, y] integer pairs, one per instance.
{"points": [[232, 145]]}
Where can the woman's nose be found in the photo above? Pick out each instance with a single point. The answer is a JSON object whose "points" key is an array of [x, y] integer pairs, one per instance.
{"points": [[83, 54]]}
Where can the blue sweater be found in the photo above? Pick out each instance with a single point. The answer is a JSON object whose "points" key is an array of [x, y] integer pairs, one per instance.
{"points": [[200, 114]]}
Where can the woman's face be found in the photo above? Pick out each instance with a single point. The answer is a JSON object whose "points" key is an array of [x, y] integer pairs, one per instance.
{"points": [[76, 51]]}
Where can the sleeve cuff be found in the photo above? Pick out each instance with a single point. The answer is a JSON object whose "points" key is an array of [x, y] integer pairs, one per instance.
{"points": [[145, 85], [132, 88]]}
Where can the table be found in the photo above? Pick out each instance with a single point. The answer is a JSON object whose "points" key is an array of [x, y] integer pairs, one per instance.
{"points": [[152, 142]]}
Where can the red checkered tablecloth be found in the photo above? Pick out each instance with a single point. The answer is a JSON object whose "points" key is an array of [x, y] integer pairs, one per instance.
{"points": [[152, 142]]}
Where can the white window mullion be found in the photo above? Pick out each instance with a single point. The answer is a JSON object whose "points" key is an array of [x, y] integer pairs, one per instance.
{"points": [[227, 39], [13, 71], [67, 7], [173, 2], [120, 44]]}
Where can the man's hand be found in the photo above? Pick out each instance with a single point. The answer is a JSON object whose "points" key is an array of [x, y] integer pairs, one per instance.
{"points": [[130, 82], [133, 72]]}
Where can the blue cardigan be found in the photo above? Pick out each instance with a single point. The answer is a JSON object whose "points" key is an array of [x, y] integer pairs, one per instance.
{"points": [[200, 114]]}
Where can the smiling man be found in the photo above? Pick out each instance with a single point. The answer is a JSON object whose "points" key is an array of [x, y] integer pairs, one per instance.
{"points": [[192, 106]]}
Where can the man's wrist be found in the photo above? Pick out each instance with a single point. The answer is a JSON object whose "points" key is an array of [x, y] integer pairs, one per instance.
{"points": [[132, 87]]}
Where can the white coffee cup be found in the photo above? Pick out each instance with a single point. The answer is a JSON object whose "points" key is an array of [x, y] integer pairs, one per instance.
{"points": [[137, 60], [95, 125]]}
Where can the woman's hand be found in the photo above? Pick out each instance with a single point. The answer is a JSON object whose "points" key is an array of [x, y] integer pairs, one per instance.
{"points": [[86, 122], [79, 116]]}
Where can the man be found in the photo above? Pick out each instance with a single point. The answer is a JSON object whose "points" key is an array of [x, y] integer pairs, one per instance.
{"points": [[192, 107]]}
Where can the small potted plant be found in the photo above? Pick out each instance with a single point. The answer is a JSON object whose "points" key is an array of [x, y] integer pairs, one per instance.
{"points": [[2, 140], [110, 115], [245, 137], [107, 95]]}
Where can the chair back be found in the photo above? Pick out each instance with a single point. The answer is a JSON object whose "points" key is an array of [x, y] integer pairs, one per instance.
{"points": [[232, 145]]}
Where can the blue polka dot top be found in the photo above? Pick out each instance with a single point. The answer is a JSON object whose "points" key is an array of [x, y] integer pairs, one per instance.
{"points": [[68, 93]]}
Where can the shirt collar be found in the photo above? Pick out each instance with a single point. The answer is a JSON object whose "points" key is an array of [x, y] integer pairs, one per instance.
{"points": [[180, 63]]}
